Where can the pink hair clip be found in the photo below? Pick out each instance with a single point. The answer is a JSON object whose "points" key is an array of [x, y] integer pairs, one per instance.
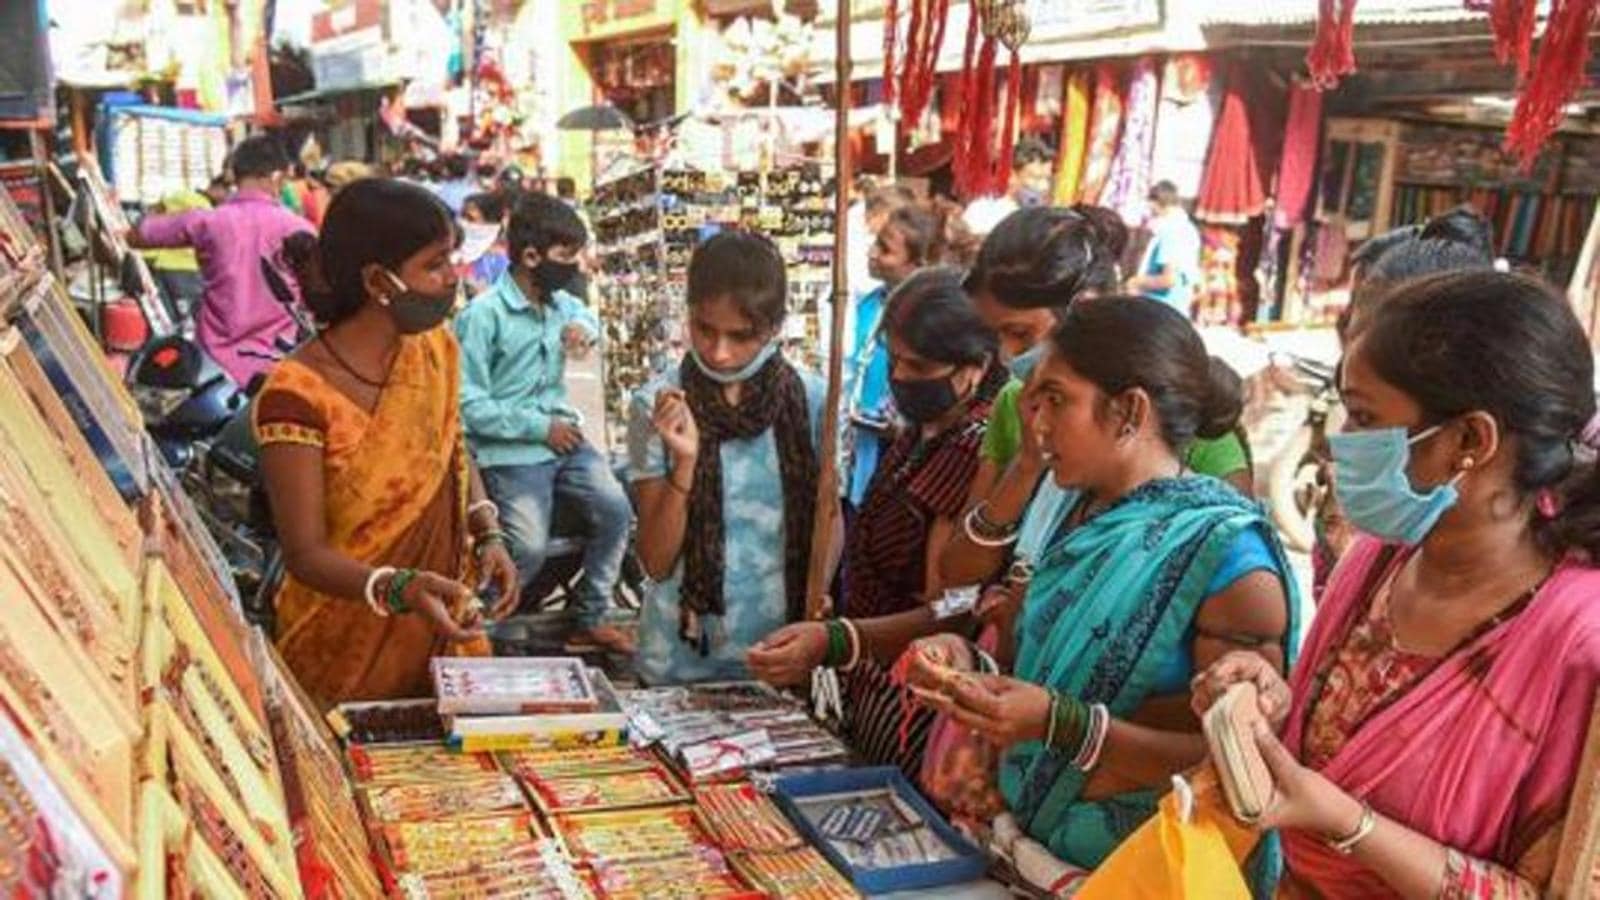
{"points": [[1547, 504]]}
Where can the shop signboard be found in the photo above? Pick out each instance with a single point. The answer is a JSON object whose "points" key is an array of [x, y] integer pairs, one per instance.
{"points": [[604, 19]]}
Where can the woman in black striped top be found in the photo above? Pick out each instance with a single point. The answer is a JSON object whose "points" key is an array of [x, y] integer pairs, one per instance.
{"points": [[944, 377]]}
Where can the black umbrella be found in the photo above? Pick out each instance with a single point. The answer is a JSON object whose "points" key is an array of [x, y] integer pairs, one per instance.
{"points": [[600, 117]]}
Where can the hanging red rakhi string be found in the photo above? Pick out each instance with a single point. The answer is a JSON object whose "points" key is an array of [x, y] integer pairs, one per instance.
{"points": [[1000, 166], [1011, 27], [891, 40], [1332, 54], [925, 42], [1512, 22], [1555, 75], [969, 102]]}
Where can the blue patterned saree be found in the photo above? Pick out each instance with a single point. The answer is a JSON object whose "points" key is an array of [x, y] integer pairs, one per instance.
{"points": [[1111, 602]]}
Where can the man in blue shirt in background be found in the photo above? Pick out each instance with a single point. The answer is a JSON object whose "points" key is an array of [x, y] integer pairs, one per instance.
{"points": [[526, 437], [1170, 269]]}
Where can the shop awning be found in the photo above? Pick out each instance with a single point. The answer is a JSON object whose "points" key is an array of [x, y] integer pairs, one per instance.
{"points": [[322, 95]]}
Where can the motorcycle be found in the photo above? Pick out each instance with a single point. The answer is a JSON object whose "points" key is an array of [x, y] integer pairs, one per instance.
{"points": [[1297, 487]]}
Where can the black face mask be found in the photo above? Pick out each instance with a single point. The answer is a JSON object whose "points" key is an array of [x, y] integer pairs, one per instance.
{"points": [[924, 400], [552, 276], [415, 312]]}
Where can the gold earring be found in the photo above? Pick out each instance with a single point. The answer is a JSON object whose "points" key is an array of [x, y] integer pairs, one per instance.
{"points": [[1467, 464]]}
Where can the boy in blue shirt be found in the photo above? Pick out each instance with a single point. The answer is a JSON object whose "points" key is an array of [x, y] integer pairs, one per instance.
{"points": [[526, 436]]}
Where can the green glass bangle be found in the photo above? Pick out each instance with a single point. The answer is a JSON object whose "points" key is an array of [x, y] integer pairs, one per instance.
{"points": [[1072, 721], [395, 596], [838, 644]]}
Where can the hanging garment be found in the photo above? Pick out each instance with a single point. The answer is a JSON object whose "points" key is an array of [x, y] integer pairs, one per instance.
{"points": [[1187, 114], [1128, 187], [1231, 190], [1074, 138], [1104, 129], [1217, 301], [1297, 170]]}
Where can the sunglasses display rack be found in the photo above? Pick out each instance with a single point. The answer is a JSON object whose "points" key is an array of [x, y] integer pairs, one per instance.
{"points": [[158, 150], [646, 226]]}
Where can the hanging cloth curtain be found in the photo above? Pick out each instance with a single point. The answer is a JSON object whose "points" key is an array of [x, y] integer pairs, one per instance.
{"points": [[1184, 122], [1128, 187], [1297, 170], [1074, 138], [1231, 190], [1104, 129]]}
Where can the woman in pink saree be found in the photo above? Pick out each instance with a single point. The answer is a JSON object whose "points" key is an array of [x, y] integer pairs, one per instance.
{"points": [[1432, 730]]}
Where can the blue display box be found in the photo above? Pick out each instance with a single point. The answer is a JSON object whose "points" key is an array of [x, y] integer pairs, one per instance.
{"points": [[968, 865]]}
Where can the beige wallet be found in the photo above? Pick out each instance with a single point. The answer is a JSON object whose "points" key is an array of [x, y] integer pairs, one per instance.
{"points": [[1246, 780]]}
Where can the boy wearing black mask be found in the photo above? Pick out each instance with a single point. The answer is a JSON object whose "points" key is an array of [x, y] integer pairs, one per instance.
{"points": [[515, 339]]}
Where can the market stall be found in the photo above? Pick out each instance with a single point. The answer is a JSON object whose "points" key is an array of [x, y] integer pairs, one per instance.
{"points": [[152, 744]]}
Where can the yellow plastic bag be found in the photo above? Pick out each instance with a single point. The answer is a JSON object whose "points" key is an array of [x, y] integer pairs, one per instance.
{"points": [[1168, 857]]}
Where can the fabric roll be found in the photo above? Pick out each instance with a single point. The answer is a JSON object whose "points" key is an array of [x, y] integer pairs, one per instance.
{"points": [[1105, 126], [1074, 137], [1128, 186]]}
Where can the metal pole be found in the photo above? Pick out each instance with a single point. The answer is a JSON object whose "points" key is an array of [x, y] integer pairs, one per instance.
{"points": [[827, 514]]}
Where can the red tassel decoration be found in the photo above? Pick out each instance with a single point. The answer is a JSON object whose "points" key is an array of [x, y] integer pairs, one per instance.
{"points": [[1000, 165], [922, 59], [974, 139], [913, 48], [1555, 76], [891, 38], [1512, 22], [1332, 53]]}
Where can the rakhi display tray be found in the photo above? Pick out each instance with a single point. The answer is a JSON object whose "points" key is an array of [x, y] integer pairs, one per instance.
{"points": [[805, 799], [480, 686]]}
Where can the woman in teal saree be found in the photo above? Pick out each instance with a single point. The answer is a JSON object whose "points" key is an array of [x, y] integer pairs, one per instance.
{"points": [[1139, 576]]}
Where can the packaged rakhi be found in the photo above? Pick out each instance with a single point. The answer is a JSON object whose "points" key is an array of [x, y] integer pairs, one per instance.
{"points": [[452, 843], [650, 787], [389, 722], [545, 876], [800, 874], [698, 875], [511, 686], [418, 763], [743, 818], [535, 765], [631, 835], [421, 801]]}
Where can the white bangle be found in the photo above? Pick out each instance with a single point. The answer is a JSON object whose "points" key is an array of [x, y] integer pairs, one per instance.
{"points": [[855, 645], [483, 504], [973, 536], [1095, 741], [370, 591]]}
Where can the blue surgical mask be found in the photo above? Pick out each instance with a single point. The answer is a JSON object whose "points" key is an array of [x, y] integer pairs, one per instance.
{"points": [[1371, 480], [744, 373], [1023, 365]]}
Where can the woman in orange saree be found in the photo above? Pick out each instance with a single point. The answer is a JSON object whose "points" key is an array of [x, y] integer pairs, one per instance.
{"points": [[379, 510]]}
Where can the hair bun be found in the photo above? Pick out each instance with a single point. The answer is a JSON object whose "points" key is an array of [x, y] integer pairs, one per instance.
{"points": [[1224, 402]]}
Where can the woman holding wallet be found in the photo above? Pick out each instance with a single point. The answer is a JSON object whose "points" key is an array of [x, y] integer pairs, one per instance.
{"points": [[1143, 575], [1431, 735]]}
